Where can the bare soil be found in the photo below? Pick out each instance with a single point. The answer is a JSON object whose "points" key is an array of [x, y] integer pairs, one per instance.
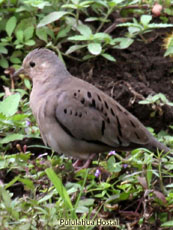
{"points": [[139, 71]]}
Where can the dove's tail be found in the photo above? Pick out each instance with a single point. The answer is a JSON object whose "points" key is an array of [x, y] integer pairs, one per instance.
{"points": [[156, 145]]}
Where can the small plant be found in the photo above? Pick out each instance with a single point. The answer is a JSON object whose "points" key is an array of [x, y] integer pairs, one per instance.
{"points": [[156, 102], [143, 26]]}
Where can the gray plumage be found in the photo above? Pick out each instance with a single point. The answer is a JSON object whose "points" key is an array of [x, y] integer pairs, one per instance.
{"points": [[76, 118]]}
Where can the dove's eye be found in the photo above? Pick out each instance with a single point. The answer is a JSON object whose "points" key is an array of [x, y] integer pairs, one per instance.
{"points": [[32, 64]]}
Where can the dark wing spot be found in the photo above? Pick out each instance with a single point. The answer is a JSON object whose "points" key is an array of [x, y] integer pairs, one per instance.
{"points": [[112, 112], [65, 110], [101, 109], [76, 114], [108, 120], [107, 107], [119, 140], [132, 124], [78, 90], [137, 136], [119, 108], [105, 114], [70, 112], [80, 114], [82, 100], [119, 126], [99, 98], [93, 103], [126, 113], [75, 94], [89, 94], [103, 127]]}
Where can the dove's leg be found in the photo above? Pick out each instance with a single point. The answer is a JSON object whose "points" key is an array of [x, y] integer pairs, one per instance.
{"points": [[78, 162]]}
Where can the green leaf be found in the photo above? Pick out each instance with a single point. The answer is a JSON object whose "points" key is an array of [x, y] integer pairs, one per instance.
{"points": [[69, 6], [3, 50], [42, 33], [168, 224], [168, 52], [112, 166], [27, 182], [74, 48], [25, 23], [9, 105], [78, 38], [28, 33], [145, 19], [159, 25], [15, 60], [95, 48], [12, 137], [63, 32], [123, 42], [19, 35], [84, 30], [4, 63], [108, 57], [10, 25], [59, 187], [54, 16], [30, 43], [102, 36], [27, 83]]}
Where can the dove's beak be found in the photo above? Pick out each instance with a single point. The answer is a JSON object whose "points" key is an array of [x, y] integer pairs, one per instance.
{"points": [[18, 72]]}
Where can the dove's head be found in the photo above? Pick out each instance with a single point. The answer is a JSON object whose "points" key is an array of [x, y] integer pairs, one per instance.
{"points": [[42, 64]]}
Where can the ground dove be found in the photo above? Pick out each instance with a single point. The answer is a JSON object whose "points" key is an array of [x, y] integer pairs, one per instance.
{"points": [[76, 118]]}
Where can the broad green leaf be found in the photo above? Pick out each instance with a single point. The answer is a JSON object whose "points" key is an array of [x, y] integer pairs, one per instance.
{"points": [[30, 43], [82, 209], [74, 48], [42, 33], [4, 63], [10, 25], [38, 4], [54, 16], [63, 32], [168, 52], [3, 50], [25, 23], [15, 60], [84, 30], [86, 202], [123, 42], [11, 137], [9, 105], [95, 48], [145, 19], [108, 57], [27, 83], [113, 166], [86, 3], [19, 35], [168, 224], [69, 6], [27, 182], [28, 33], [102, 36]]}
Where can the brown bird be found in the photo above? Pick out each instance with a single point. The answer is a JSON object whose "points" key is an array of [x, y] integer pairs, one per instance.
{"points": [[74, 117]]}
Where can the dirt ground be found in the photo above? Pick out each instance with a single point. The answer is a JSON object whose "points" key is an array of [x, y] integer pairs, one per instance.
{"points": [[139, 71]]}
